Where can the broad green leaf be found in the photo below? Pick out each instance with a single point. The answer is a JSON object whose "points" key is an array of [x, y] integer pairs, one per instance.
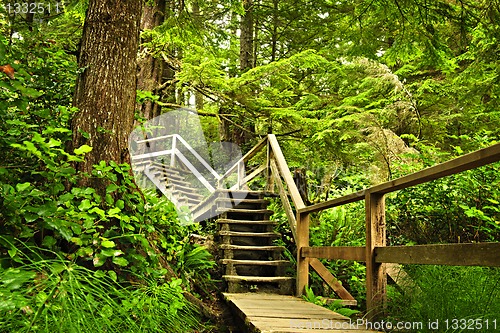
{"points": [[112, 275], [12, 252], [22, 187], [111, 188], [120, 204], [99, 260], [83, 150], [114, 211], [112, 252], [77, 241], [66, 233], [53, 143], [108, 243], [85, 205], [49, 241], [120, 261], [109, 199], [100, 274]]}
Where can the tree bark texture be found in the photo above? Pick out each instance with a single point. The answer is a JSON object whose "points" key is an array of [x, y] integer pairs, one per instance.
{"points": [[106, 87], [246, 36], [150, 68]]}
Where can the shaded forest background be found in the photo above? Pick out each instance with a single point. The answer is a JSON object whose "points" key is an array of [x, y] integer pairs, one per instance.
{"points": [[357, 92]]}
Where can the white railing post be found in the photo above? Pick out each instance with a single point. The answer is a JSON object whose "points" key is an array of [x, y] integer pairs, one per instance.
{"points": [[174, 147]]}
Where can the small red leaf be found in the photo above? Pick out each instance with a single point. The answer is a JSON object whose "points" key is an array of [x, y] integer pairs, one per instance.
{"points": [[7, 69]]}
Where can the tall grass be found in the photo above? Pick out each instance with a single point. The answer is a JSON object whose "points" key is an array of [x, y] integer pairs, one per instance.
{"points": [[444, 294], [57, 295]]}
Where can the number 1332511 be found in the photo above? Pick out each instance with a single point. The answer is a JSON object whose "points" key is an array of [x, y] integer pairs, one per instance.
{"points": [[32, 8]]}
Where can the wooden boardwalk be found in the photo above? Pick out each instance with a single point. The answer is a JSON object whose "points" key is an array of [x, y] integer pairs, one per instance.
{"points": [[271, 313]]}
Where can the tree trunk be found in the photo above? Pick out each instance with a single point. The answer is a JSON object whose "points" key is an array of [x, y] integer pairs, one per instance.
{"points": [[274, 36], [150, 68], [106, 88], [246, 36]]}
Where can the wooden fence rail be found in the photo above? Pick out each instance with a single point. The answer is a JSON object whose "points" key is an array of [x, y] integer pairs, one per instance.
{"points": [[375, 253]]}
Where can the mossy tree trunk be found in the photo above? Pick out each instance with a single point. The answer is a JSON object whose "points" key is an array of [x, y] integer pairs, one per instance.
{"points": [[106, 87]]}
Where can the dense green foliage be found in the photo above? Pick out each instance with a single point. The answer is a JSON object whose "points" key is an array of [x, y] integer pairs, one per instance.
{"points": [[358, 92], [73, 260], [466, 294], [57, 295]]}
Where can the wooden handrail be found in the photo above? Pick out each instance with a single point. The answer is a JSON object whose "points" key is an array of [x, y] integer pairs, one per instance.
{"points": [[245, 158], [376, 254], [301, 234], [285, 172], [466, 162], [463, 163], [353, 197]]}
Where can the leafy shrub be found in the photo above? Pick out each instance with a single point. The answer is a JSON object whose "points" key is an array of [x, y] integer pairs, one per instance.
{"points": [[334, 306], [459, 208]]}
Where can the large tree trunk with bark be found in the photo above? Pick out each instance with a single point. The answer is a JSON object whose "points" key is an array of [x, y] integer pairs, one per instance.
{"points": [[106, 88], [150, 68]]}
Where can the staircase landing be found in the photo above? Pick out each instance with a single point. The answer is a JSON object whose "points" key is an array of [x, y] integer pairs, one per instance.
{"points": [[271, 313]]}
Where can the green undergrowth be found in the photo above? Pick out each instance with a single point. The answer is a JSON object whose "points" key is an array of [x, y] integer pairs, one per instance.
{"points": [[58, 295], [75, 258], [458, 298]]}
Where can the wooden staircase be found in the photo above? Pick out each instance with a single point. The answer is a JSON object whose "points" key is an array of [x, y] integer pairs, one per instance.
{"points": [[250, 261], [174, 180]]}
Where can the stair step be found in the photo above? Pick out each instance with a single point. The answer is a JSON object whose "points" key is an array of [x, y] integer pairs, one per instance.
{"points": [[268, 279], [243, 201], [177, 182], [188, 189], [251, 248], [189, 201], [246, 211], [253, 193], [249, 234], [188, 194], [167, 175], [163, 166], [232, 221], [255, 262], [168, 167]]}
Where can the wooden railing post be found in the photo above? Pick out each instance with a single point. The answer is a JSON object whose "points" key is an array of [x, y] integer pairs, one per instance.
{"points": [[269, 177], [302, 263], [376, 278]]}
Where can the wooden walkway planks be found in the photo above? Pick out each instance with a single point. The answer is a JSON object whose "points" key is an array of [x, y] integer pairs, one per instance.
{"points": [[270, 313]]}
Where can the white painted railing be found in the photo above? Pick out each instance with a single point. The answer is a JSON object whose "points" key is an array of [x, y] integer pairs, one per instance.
{"points": [[176, 154]]}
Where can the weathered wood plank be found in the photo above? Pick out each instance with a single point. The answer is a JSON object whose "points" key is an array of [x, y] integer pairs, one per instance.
{"points": [[354, 253], [254, 174], [299, 325], [376, 278], [473, 254], [284, 200], [353, 197], [466, 162], [328, 277], [268, 313], [303, 221], [285, 172], [251, 153]]}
